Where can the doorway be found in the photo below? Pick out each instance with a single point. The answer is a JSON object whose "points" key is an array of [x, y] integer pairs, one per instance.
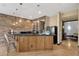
{"points": [[70, 32]]}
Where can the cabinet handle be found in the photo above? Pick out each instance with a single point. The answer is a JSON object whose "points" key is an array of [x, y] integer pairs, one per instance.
{"points": [[31, 46]]}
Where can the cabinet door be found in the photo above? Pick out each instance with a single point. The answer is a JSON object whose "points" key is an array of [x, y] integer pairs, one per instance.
{"points": [[23, 44], [32, 43], [48, 42], [40, 42]]}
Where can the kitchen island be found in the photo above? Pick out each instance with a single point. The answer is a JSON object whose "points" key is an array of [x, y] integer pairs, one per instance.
{"points": [[33, 42]]}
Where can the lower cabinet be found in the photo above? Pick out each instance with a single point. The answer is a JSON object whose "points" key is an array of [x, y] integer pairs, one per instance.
{"points": [[23, 44], [29, 43], [48, 42], [40, 43], [32, 43]]}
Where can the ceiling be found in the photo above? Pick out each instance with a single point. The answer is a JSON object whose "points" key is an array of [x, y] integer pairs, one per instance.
{"points": [[35, 10]]}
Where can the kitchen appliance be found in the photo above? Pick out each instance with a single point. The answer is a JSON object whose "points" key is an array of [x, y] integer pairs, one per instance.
{"points": [[53, 31]]}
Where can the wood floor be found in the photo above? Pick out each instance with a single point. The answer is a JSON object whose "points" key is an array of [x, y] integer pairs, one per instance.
{"points": [[67, 48]]}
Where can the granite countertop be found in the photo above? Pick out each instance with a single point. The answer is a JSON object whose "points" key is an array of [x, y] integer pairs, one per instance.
{"points": [[31, 35]]}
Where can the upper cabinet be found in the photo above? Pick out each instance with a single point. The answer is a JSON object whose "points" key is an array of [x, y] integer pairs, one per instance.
{"points": [[17, 23], [14, 22], [40, 24]]}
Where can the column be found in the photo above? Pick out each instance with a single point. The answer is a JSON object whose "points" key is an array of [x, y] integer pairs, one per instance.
{"points": [[78, 26], [59, 26]]}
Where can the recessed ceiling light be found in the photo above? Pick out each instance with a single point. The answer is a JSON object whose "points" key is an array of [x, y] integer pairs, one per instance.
{"points": [[16, 22], [20, 20], [13, 24], [20, 3], [38, 5], [39, 12]]}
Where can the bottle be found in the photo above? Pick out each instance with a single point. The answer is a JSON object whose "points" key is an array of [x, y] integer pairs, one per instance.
{"points": [[11, 31]]}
